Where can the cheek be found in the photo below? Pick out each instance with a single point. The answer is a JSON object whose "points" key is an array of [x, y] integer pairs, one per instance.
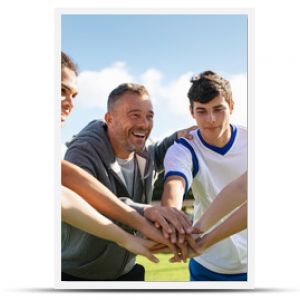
{"points": [[63, 102], [150, 124], [222, 114], [199, 119]]}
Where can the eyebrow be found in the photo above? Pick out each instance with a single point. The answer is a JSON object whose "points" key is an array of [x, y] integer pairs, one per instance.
{"points": [[68, 88], [219, 106], [216, 106], [139, 110]]}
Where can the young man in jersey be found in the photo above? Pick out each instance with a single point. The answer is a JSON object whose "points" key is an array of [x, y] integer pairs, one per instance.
{"points": [[215, 156]]}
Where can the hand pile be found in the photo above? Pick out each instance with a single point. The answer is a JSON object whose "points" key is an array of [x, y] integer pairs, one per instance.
{"points": [[185, 241]]}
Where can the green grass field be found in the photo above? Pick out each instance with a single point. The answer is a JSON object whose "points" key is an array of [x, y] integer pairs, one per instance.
{"points": [[164, 271]]}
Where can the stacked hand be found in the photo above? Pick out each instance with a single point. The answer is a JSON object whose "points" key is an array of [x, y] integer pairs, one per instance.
{"points": [[177, 228]]}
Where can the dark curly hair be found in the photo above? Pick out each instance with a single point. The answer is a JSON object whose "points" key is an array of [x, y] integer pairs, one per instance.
{"points": [[208, 85]]}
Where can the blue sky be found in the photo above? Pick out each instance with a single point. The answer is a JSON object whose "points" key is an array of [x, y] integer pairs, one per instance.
{"points": [[160, 51]]}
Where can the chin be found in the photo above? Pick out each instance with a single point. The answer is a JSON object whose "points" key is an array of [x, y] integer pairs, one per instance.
{"points": [[139, 148]]}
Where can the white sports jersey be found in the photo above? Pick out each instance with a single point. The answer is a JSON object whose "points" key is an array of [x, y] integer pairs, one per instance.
{"points": [[208, 169]]}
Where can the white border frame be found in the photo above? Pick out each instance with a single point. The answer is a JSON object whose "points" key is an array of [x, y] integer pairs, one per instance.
{"points": [[117, 285]]}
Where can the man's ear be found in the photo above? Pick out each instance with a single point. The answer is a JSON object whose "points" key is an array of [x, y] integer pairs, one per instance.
{"points": [[108, 118]]}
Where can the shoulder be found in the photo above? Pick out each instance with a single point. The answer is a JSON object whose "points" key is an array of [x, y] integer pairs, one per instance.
{"points": [[182, 149], [186, 144], [93, 132]]}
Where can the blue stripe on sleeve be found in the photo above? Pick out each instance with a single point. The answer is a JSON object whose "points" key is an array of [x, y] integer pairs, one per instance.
{"points": [[175, 173], [194, 157]]}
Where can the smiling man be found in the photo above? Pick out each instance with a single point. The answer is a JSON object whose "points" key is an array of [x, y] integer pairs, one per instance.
{"points": [[115, 153], [215, 156]]}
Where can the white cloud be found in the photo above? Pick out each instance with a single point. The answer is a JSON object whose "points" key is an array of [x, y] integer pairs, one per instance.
{"points": [[176, 95], [170, 99], [239, 91], [94, 87], [152, 79]]}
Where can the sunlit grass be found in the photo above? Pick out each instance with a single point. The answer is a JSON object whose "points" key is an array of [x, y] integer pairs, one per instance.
{"points": [[164, 271]]}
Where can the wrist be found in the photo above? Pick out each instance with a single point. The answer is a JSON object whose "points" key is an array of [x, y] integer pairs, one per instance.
{"points": [[146, 211], [123, 239], [206, 241], [200, 227], [136, 220]]}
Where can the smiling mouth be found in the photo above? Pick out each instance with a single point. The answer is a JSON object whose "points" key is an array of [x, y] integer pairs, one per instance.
{"points": [[65, 113], [139, 135]]}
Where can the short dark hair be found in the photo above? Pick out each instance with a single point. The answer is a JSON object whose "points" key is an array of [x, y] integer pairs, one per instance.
{"points": [[67, 62], [208, 85], [123, 88]]}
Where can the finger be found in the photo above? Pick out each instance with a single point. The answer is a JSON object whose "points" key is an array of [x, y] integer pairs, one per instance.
{"points": [[162, 250], [163, 223], [173, 238], [175, 259], [192, 128], [192, 243], [175, 251], [185, 222], [181, 238], [184, 251], [189, 136], [182, 221], [165, 234], [172, 260], [150, 256], [157, 246], [172, 217]]}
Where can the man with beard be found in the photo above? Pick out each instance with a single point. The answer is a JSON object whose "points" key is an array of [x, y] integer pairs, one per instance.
{"points": [[115, 153]]}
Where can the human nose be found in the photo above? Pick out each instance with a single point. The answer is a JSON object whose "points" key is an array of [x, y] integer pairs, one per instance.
{"points": [[211, 118], [144, 122]]}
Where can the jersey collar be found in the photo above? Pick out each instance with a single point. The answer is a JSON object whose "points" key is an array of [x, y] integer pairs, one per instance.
{"points": [[220, 150]]}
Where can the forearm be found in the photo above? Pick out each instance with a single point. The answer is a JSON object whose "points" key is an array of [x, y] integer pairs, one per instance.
{"points": [[173, 193], [78, 213], [236, 222], [99, 196], [231, 197]]}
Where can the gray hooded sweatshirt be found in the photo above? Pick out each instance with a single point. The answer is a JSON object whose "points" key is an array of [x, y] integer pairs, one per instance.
{"points": [[87, 256]]}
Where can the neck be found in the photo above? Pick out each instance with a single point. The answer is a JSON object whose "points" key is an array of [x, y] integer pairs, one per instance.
{"points": [[221, 141]]}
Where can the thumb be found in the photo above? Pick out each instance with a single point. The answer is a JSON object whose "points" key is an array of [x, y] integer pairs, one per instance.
{"points": [[196, 230]]}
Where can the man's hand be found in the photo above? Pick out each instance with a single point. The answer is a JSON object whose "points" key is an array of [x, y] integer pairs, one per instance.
{"points": [[149, 231], [190, 247], [199, 246], [186, 133], [187, 247], [164, 216], [142, 246]]}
